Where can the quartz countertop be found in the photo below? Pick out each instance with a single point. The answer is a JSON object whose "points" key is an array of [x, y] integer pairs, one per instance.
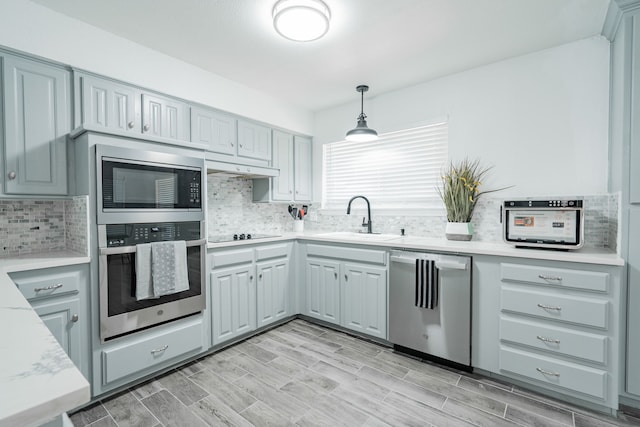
{"points": [[37, 380], [388, 241]]}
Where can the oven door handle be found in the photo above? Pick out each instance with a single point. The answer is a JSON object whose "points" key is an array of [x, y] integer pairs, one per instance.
{"points": [[132, 249]]}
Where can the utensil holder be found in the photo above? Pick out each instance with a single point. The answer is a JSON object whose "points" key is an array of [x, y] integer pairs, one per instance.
{"points": [[298, 226]]}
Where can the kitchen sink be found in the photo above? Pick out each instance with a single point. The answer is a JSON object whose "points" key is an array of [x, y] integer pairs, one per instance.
{"points": [[350, 235]]}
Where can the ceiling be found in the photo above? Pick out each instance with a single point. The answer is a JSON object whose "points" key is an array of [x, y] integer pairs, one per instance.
{"points": [[387, 44]]}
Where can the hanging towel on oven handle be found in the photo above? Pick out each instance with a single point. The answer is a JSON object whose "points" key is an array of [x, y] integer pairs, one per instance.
{"points": [[427, 281]]}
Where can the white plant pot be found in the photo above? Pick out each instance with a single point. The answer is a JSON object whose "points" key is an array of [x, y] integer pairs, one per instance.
{"points": [[459, 231]]}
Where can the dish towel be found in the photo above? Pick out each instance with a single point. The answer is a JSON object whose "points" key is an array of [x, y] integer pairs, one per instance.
{"points": [[426, 284], [169, 267], [144, 286]]}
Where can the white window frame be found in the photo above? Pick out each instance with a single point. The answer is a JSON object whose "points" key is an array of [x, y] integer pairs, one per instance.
{"points": [[426, 142]]}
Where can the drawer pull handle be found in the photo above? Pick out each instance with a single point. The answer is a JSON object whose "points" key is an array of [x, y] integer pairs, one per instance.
{"points": [[556, 278], [160, 350], [49, 288], [549, 373], [549, 340], [549, 307]]}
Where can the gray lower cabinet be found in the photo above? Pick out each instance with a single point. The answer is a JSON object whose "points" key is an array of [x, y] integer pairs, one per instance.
{"points": [[633, 321], [273, 286], [322, 289], [59, 296], [37, 119], [107, 105], [554, 325], [347, 286], [233, 293]]}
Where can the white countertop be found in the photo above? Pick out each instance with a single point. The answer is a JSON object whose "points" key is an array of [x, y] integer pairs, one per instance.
{"points": [[37, 380], [587, 256]]}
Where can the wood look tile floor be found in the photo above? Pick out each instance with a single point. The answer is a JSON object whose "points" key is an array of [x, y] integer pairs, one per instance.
{"points": [[301, 374]]}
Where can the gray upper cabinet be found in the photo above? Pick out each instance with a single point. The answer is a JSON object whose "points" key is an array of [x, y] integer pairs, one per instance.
{"points": [[282, 186], [109, 105], [254, 140], [292, 156], [37, 120], [165, 117], [302, 169], [215, 130], [634, 172]]}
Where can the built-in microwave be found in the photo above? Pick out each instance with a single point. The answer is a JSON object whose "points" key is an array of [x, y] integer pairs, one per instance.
{"points": [[147, 186], [549, 224]]}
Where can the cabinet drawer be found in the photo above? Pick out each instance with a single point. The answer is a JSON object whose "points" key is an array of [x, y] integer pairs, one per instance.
{"points": [[127, 359], [563, 341], [346, 253], [46, 285], [561, 277], [548, 305], [272, 251], [554, 372], [221, 259]]}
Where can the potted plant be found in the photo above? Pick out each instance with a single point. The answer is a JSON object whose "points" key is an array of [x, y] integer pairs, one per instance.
{"points": [[460, 192]]}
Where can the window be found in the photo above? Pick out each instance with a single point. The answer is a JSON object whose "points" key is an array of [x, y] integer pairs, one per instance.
{"points": [[399, 171]]}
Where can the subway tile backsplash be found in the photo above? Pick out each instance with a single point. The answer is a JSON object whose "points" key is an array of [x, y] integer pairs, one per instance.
{"points": [[231, 210], [29, 226]]}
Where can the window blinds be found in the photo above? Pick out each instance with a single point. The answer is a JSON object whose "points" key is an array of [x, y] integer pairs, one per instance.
{"points": [[399, 171]]}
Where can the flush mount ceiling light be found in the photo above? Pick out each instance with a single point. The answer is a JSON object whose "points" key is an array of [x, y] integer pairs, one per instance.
{"points": [[301, 20], [361, 133]]}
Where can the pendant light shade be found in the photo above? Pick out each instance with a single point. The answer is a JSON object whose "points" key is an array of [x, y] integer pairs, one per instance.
{"points": [[301, 20], [362, 133]]}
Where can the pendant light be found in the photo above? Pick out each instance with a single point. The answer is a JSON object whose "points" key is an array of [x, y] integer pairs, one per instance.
{"points": [[362, 133], [301, 20]]}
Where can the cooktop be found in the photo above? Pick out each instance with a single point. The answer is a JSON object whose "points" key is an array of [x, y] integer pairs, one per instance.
{"points": [[239, 236]]}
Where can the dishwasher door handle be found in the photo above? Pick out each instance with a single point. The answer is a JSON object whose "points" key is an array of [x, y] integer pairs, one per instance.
{"points": [[442, 262]]}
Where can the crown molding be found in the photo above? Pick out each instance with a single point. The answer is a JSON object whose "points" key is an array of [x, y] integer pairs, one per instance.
{"points": [[616, 11]]}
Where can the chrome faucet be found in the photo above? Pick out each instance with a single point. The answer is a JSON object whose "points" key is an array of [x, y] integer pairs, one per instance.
{"points": [[364, 224]]}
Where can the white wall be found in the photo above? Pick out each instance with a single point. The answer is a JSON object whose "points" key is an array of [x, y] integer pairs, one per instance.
{"points": [[541, 119], [32, 28]]}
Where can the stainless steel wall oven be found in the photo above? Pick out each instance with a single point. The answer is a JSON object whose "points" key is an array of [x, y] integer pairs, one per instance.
{"points": [[121, 309]]}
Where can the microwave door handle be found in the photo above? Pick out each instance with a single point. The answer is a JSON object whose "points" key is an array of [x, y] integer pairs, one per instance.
{"points": [[132, 248]]}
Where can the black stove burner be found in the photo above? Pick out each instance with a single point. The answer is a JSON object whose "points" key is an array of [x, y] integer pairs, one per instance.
{"points": [[236, 237]]}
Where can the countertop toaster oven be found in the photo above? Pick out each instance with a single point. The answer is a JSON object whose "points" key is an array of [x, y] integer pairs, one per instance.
{"points": [[546, 224]]}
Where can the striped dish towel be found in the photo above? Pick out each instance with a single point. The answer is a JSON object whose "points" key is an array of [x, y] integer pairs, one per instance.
{"points": [[426, 284]]}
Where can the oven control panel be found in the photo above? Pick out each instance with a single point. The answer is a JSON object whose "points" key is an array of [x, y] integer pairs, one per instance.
{"points": [[134, 234]]}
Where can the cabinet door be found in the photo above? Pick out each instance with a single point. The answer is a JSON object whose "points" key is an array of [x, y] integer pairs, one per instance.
{"points": [[216, 131], [282, 186], [302, 169], [364, 299], [233, 302], [633, 333], [323, 290], [254, 140], [37, 120], [110, 105], [62, 319], [634, 161], [272, 291], [165, 118]]}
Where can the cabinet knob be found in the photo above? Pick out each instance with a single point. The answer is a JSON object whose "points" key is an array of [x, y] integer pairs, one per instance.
{"points": [[12, 175], [74, 318], [145, 128], [251, 277], [335, 275], [130, 125], [346, 278], [290, 192], [240, 145], [232, 144], [260, 276]]}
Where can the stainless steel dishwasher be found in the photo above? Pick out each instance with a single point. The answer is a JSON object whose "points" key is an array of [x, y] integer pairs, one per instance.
{"points": [[445, 330]]}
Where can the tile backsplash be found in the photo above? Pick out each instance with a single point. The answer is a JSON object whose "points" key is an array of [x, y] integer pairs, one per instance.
{"points": [[28, 226], [231, 210]]}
